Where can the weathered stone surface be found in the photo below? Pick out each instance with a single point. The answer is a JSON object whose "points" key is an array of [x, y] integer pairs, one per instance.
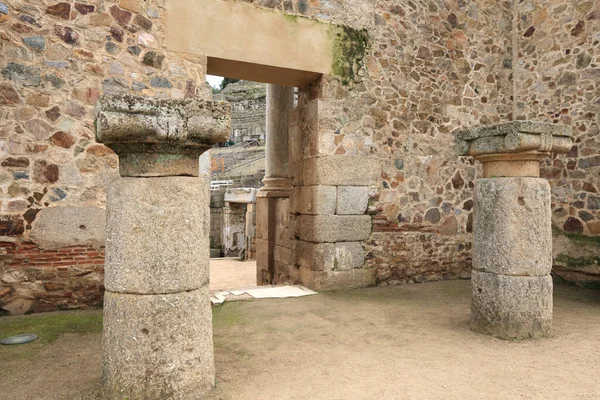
{"points": [[35, 42], [131, 5], [315, 256], [340, 170], [348, 255], [8, 95], [56, 81], [158, 230], [352, 200], [160, 82], [515, 136], [121, 16], [12, 162], [512, 228], [142, 22], [67, 34], [85, 8], [44, 172], [157, 346], [332, 228], [333, 280], [57, 227], [511, 307], [60, 10], [157, 137], [26, 76], [314, 200], [38, 99], [38, 128], [11, 225], [154, 60]]}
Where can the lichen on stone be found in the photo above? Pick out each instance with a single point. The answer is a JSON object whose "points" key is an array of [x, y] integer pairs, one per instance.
{"points": [[349, 50]]}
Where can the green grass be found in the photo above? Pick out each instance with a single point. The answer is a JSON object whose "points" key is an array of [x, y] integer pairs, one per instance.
{"points": [[49, 327], [227, 314]]}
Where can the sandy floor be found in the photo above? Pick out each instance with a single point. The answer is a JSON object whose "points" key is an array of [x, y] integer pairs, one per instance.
{"points": [[231, 273], [406, 342]]}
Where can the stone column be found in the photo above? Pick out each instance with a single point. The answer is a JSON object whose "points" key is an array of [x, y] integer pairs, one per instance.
{"points": [[157, 338], [280, 101], [277, 181], [512, 236]]}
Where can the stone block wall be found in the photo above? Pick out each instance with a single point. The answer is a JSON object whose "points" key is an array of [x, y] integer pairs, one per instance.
{"points": [[283, 262], [430, 68]]}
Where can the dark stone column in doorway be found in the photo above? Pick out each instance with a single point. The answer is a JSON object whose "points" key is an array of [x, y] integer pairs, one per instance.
{"points": [[277, 181]]}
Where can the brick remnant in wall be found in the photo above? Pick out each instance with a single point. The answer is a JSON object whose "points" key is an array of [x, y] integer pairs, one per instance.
{"points": [[36, 280]]}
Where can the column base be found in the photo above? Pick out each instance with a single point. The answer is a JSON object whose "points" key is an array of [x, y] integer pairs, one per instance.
{"points": [[511, 307], [276, 186], [157, 346]]}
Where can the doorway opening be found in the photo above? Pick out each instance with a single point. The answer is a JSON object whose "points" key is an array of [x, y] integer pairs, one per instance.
{"points": [[237, 169]]}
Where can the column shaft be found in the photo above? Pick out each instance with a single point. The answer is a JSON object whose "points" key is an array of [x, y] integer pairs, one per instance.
{"points": [[280, 101], [512, 258], [157, 340]]}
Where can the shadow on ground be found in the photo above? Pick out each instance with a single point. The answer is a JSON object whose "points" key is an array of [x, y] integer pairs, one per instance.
{"points": [[404, 342]]}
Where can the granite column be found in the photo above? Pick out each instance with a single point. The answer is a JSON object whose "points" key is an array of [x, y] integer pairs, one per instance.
{"points": [[157, 337]]}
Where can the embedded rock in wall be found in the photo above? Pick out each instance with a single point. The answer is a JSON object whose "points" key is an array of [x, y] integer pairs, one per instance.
{"points": [[58, 227]]}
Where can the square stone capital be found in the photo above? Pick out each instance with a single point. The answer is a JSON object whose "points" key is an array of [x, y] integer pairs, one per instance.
{"points": [[160, 137], [514, 148], [514, 137]]}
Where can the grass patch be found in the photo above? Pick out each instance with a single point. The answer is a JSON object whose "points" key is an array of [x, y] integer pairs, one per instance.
{"points": [[227, 314], [49, 327]]}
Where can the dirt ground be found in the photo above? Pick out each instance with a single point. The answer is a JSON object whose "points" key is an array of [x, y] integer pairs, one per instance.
{"points": [[231, 273], [405, 342]]}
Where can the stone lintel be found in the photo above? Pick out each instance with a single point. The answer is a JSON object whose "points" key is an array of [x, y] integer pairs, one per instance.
{"points": [[160, 137], [288, 49]]}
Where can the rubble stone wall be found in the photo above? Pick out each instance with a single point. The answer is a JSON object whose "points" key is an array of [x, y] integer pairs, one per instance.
{"points": [[557, 79], [56, 59], [430, 67]]}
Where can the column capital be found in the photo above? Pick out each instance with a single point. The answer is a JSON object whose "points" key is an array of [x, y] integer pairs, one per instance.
{"points": [[513, 148], [160, 137]]}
